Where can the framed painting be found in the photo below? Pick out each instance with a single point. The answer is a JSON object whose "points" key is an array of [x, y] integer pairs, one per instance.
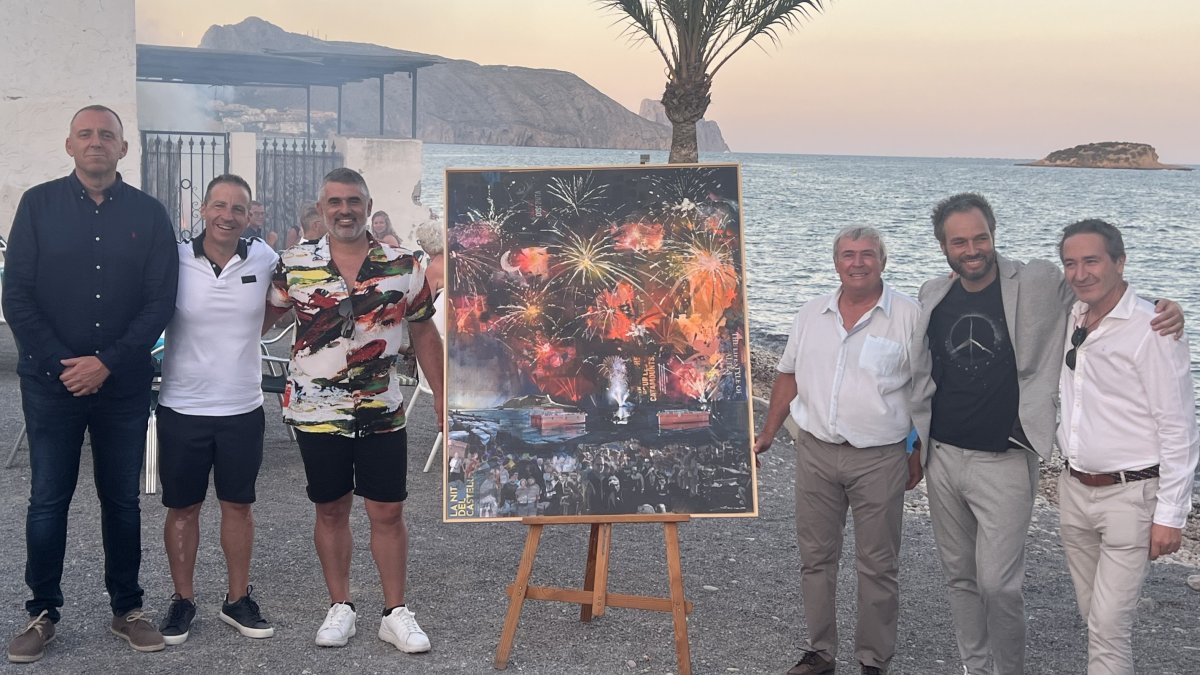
{"points": [[596, 343]]}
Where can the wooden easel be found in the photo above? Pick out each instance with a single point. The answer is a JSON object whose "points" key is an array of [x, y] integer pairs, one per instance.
{"points": [[594, 596]]}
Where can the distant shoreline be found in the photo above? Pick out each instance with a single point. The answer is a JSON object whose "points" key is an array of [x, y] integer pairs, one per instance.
{"points": [[1164, 167], [724, 156]]}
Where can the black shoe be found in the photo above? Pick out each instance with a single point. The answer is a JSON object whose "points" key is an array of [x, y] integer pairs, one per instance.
{"points": [[870, 670], [245, 616], [178, 622], [813, 664]]}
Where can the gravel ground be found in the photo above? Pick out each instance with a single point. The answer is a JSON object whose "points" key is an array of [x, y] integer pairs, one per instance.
{"points": [[741, 573]]}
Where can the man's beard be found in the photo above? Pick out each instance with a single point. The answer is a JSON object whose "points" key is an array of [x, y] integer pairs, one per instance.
{"points": [[960, 268]]}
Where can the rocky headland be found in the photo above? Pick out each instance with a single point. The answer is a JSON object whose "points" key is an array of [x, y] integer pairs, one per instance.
{"points": [[458, 101], [1107, 155]]}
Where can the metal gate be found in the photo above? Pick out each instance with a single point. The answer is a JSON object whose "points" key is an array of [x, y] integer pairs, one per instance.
{"points": [[176, 167], [289, 176]]}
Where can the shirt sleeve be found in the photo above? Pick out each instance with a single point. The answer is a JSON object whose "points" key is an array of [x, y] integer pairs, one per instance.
{"points": [[1165, 370], [420, 298], [34, 333], [278, 295], [160, 280]]}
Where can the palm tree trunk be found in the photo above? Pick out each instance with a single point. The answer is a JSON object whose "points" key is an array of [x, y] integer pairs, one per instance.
{"points": [[684, 148], [684, 100]]}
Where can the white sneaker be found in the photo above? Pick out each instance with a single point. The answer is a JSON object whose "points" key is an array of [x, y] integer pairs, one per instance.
{"points": [[338, 627], [400, 628]]}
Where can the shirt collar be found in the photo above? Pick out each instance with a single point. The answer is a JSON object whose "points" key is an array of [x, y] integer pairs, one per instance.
{"points": [[1122, 310], [111, 192], [243, 247], [884, 302], [377, 253]]}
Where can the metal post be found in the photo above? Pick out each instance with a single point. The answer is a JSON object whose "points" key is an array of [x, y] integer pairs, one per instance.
{"points": [[412, 76], [339, 115], [381, 105], [308, 115]]}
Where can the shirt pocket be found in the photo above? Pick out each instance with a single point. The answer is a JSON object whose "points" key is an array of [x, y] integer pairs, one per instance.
{"points": [[882, 357]]}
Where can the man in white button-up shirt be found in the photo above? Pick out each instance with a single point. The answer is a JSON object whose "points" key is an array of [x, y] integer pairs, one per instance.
{"points": [[1128, 434], [844, 377]]}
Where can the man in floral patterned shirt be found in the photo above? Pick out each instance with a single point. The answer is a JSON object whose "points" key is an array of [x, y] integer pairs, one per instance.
{"points": [[353, 296]]}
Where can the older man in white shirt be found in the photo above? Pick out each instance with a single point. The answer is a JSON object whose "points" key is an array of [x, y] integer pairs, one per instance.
{"points": [[1129, 437], [845, 379]]}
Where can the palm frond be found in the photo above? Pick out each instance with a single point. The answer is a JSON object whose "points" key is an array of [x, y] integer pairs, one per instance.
{"points": [[704, 34], [639, 21], [753, 19]]}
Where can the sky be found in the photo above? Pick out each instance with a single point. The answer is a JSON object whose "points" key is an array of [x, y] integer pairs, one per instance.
{"points": [[929, 78]]}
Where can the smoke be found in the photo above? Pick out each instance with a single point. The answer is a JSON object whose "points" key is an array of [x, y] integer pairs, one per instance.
{"points": [[618, 386], [176, 107]]}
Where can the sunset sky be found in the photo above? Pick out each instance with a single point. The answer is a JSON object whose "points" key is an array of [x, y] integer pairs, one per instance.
{"points": [[866, 77]]}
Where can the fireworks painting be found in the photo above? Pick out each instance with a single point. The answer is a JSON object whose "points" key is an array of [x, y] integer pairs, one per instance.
{"points": [[597, 360]]}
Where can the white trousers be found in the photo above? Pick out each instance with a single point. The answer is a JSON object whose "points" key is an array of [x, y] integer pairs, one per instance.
{"points": [[1106, 537]]}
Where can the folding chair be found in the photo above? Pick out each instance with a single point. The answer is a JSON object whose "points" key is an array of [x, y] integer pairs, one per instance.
{"points": [[423, 387], [150, 483]]}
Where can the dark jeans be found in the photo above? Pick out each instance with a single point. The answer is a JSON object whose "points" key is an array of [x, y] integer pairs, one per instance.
{"points": [[55, 421]]}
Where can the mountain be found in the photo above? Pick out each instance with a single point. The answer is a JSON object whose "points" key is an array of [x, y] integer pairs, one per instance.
{"points": [[1107, 155], [458, 101], [708, 134]]}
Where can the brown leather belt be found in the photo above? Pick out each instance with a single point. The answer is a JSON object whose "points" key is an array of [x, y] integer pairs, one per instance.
{"points": [[1118, 478]]}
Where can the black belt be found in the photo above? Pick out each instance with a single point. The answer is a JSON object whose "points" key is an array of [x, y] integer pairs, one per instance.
{"points": [[1117, 478]]}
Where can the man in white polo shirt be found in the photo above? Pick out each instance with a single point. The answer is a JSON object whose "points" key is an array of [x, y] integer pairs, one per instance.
{"points": [[1129, 437], [210, 415], [845, 379]]}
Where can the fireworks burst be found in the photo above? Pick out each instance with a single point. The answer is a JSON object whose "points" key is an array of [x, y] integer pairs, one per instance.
{"points": [[678, 187], [472, 269], [578, 193], [531, 310], [592, 262], [702, 259]]}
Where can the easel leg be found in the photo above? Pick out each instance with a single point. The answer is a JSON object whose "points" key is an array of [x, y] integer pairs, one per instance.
{"points": [[600, 591], [589, 573], [517, 599], [678, 605]]}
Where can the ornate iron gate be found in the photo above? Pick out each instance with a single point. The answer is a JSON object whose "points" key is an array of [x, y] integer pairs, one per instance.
{"points": [[289, 176], [176, 167]]}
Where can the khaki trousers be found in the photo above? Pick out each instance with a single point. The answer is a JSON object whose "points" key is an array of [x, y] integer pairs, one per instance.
{"points": [[1106, 537], [981, 504], [870, 482]]}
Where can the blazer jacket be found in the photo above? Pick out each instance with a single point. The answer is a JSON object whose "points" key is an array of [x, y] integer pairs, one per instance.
{"points": [[1037, 300]]}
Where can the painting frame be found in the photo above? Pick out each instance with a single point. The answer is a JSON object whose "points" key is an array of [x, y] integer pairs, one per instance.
{"points": [[597, 343]]}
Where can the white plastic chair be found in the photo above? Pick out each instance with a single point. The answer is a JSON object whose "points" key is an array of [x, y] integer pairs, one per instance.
{"points": [[439, 321], [423, 386]]}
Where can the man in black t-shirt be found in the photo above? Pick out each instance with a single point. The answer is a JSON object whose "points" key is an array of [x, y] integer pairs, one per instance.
{"points": [[986, 356]]}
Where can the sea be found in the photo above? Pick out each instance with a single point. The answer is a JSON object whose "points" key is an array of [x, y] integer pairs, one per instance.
{"points": [[792, 205]]}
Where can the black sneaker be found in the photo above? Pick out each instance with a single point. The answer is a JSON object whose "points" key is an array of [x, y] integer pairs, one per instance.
{"points": [[245, 616], [178, 622]]}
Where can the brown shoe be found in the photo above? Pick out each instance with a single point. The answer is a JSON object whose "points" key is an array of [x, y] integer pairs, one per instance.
{"points": [[140, 633], [30, 645], [813, 663]]}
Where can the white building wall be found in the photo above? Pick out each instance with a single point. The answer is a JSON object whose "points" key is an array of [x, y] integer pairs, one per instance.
{"points": [[243, 158], [392, 168], [58, 56]]}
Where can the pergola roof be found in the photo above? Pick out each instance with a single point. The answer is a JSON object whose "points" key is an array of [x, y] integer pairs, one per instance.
{"points": [[157, 63]]}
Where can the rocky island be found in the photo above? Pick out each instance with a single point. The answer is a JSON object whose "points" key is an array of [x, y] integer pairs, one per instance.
{"points": [[1109, 155]]}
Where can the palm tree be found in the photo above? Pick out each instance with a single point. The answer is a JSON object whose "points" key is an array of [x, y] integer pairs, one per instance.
{"points": [[695, 38]]}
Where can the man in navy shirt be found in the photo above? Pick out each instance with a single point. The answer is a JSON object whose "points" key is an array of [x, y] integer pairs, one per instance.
{"points": [[90, 278]]}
